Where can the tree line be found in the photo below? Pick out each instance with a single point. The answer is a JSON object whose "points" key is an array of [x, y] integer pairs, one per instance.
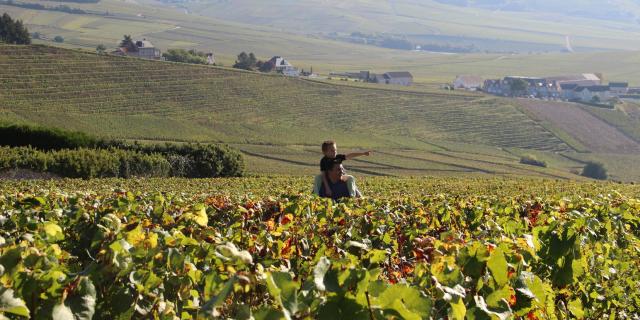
{"points": [[13, 31], [78, 155], [248, 61], [37, 6]]}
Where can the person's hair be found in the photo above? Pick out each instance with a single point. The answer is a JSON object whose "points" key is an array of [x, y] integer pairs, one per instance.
{"points": [[327, 144]]}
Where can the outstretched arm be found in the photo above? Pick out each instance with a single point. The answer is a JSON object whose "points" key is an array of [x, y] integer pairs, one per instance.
{"points": [[358, 154]]}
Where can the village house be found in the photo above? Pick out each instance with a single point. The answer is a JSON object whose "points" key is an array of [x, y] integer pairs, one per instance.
{"points": [[493, 86], [468, 82], [568, 91], [281, 65], [402, 78], [593, 93], [558, 87], [143, 49], [619, 88], [584, 80]]}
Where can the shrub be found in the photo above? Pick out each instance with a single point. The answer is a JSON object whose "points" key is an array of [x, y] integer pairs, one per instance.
{"points": [[532, 160], [199, 161], [45, 138], [58, 39], [86, 163], [595, 170], [181, 55], [188, 160]]}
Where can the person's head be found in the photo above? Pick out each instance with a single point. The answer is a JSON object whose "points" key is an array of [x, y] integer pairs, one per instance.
{"points": [[335, 171], [329, 149]]}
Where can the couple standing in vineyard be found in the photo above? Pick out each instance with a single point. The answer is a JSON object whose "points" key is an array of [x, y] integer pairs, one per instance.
{"points": [[333, 182]]}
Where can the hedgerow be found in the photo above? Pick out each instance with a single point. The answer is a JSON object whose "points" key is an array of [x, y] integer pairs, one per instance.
{"points": [[186, 160]]}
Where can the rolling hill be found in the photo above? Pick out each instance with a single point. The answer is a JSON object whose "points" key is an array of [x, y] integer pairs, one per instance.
{"points": [[170, 27], [528, 25], [115, 96], [278, 121]]}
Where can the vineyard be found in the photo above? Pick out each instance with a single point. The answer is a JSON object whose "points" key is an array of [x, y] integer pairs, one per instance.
{"points": [[263, 248], [128, 98]]}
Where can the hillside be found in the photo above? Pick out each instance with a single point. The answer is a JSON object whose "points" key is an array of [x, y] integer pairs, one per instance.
{"points": [[276, 121], [616, 10], [170, 27], [50, 85], [526, 25]]}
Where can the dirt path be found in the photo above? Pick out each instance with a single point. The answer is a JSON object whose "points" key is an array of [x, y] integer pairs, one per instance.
{"points": [[595, 134]]}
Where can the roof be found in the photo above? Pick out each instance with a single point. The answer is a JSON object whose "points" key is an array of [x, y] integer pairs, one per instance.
{"points": [[279, 61], [574, 77], [619, 84], [593, 88], [524, 78], [591, 76], [467, 79], [398, 74], [144, 44], [568, 86]]}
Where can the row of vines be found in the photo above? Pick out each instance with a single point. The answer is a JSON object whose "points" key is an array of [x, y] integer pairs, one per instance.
{"points": [[225, 248]]}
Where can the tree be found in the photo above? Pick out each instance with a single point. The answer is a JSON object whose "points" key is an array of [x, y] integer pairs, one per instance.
{"points": [[595, 170], [100, 49], [265, 66], [36, 35], [13, 32], [246, 61], [127, 42], [180, 55], [518, 86], [595, 99], [58, 39]]}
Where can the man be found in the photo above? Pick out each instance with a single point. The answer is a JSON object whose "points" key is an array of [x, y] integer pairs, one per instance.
{"points": [[341, 185]]}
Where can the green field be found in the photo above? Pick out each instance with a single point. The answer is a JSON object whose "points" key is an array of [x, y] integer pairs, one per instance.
{"points": [[278, 122], [263, 248]]}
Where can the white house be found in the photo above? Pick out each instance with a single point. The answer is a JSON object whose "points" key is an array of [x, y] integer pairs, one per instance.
{"points": [[468, 82], [280, 63], [588, 94]]}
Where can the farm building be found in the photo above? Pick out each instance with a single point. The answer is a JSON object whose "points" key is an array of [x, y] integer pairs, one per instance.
{"points": [[402, 78], [468, 82], [144, 49], [585, 79]]}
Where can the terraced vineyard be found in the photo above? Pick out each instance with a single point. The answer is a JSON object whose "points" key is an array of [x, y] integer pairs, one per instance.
{"points": [[129, 98]]}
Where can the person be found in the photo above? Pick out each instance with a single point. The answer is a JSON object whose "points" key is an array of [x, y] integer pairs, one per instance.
{"points": [[330, 151], [339, 184]]}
